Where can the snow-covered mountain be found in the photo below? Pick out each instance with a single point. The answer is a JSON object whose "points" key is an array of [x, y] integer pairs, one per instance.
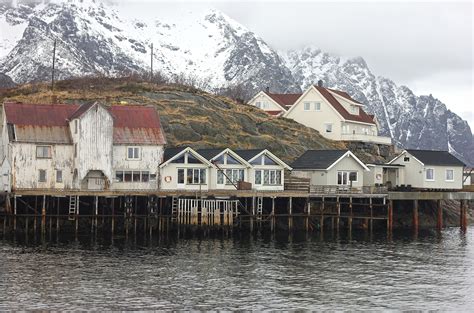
{"points": [[94, 38], [97, 38], [418, 122]]}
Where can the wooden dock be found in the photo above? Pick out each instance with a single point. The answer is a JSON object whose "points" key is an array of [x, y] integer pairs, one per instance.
{"points": [[157, 211]]}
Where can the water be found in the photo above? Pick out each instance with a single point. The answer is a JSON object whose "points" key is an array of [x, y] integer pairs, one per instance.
{"points": [[432, 271]]}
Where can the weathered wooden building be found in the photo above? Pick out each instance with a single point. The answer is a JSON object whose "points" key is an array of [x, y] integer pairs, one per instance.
{"points": [[80, 147]]}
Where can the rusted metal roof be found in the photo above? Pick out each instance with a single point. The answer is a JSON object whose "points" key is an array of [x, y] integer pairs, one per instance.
{"points": [[284, 99], [48, 123]]}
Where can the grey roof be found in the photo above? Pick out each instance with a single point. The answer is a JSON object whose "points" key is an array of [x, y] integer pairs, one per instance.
{"points": [[208, 154], [317, 159], [248, 154], [171, 152], [432, 157]]}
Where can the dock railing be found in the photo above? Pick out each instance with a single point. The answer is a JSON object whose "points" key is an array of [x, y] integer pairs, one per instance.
{"points": [[343, 189]]}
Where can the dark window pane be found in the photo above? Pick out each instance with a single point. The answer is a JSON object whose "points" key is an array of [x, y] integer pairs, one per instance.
{"points": [[136, 176], [119, 176], [180, 176], [128, 176], [231, 160], [257, 161], [353, 176], [189, 178], [193, 160], [268, 161], [145, 177], [179, 160]]}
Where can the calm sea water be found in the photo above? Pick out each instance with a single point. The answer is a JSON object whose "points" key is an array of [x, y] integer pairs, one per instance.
{"points": [[431, 271]]}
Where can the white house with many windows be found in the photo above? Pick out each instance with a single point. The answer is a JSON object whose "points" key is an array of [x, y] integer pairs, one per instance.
{"points": [[427, 169], [330, 168], [80, 147], [221, 169], [332, 112]]}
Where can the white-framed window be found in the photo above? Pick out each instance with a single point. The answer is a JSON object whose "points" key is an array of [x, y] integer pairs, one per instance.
{"points": [[133, 153], [328, 127], [258, 104], [449, 175], [76, 126], [258, 177], [195, 176], [346, 177], [345, 129], [354, 110], [317, 106], [307, 106], [59, 176], [134, 176], [43, 152], [42, 176], [429, 174], [268, 177], [235, 175]]}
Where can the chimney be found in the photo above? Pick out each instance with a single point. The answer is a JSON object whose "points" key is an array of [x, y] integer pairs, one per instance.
{"points": [[267, 89], [320, 83], [54, 99]]}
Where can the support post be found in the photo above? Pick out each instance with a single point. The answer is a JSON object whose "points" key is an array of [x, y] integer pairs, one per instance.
{"points": [[308, 214], [439, 222], [371, 215], [415, 215], [390, 216], [290, 213], [350, 215], [338, 208], [463, 216], [273, 215], [14, 212], [43, 216], [252, 214]]}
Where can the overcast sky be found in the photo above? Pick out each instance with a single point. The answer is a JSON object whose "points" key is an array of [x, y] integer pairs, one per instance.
{"points": [[426, 45]]}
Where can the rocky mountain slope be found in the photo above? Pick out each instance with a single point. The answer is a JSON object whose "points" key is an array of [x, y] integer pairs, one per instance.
{"points": [[212, 51], [419, 122], [189, 116]]}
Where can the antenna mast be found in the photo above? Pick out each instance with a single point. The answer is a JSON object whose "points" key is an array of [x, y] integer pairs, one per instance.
{"points": [[151, 63], [54, 61]]}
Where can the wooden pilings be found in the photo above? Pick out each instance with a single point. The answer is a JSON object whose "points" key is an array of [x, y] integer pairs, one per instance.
{"points": [[439, 215], [463, 215], [415, 215]]}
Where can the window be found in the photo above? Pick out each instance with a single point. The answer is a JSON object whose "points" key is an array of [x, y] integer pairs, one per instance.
{"points": [[406, 159], [270, 177], [220, 177], [429, 174], [231, 160], [317, 106], [258, 104], [59, 176], [233, 176], [133, 153], [346, 177], [75, 150], [345, 129], [328, 128], [258, 177], [133, 176], [42, 176], [257, 161], [75, 127], [195, 176], [219, 160], [179, 160], [307, 106], [265, 105], [449, 175], [268, 161], [43, 152], [192, 159], [353, 176], [181, 176], [354, 110]]}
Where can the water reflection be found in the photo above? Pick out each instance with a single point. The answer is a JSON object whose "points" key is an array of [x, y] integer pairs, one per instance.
{"points": [[192, 270]]}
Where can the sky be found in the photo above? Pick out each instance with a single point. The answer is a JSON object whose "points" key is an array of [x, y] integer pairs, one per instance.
{"points": [[425, 45]]}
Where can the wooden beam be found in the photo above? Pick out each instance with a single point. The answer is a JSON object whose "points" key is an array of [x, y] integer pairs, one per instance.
{"points": [[439, 209]]}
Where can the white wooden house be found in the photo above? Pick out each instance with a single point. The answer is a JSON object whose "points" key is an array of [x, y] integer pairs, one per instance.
{"points": [[332, 112], [427, 169], [267, 171], [184, 169], [80, 147], [330, 168], [228, 168]]}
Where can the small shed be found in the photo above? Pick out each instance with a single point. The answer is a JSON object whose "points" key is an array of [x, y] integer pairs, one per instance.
{"points": [[330, 168]]}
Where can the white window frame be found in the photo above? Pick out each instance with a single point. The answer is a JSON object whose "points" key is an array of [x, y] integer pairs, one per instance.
{"points": [[137, 153], [48, 148], [45, 176], [258, 104], [426, 174], [231, 175], [317, 106], [59, 174], [307, 106], [446, 175]]}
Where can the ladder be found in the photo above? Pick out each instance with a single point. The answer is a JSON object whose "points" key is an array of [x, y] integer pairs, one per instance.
{"points": [[259, 208], [73, 207], [174, 208]]}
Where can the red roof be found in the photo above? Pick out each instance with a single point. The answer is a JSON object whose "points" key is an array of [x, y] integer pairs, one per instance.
{"points": [[273, 112], [362, 117], [132, 124], [344, 95], [284, 99]]}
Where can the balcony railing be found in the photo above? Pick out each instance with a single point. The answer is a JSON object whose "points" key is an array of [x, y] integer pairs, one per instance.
{"points": [[342, 189], [366, 138]]}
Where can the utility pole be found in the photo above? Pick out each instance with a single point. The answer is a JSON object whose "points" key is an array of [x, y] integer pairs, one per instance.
{"points": [[54, 61], [151, 63]]}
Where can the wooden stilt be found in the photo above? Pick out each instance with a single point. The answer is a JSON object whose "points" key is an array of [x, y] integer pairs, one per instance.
{"points": [[463, 216], [14, 212], [290, 214], [389, 216], [308, 214], [273, 215], [415, 215], [350, 215], [371, 206], [43, 216], [112, 226], [57, 215], [439, 221], [252, 214], [338, 208]]}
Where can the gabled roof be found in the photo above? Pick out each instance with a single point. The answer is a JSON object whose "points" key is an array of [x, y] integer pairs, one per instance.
{"points": [[211, 154], [344, 95], [284, 99], [362, 117], [251, 154], [172, 153], [48, 123], [323, 159], [432, 157]]}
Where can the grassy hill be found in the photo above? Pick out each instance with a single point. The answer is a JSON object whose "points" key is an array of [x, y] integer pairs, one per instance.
{"points": [[189, 116]]}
